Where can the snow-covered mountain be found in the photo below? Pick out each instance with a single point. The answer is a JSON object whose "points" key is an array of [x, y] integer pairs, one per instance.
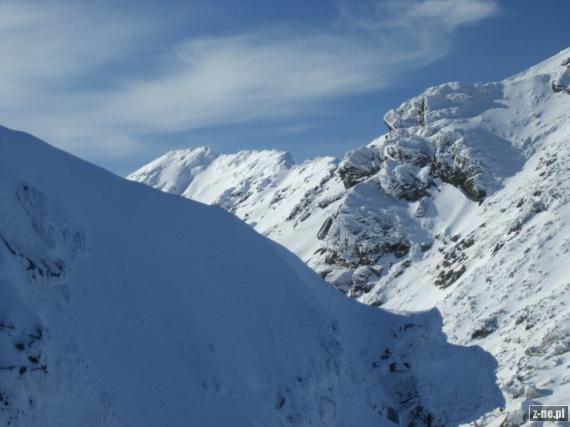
{"points": [[121, 305], [463, 204]]}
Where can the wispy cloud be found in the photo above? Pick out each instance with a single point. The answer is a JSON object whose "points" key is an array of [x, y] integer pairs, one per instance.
{"points": [[68, 72], [56, 46], [253, 76], [415, 16]]}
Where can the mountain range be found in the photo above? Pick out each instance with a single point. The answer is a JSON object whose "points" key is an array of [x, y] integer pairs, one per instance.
{"points": [[121, 305], [463, 204]]}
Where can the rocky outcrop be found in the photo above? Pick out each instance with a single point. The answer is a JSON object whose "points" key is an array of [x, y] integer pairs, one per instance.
{"points": [[324, 230], [561, 82], [400, 172]]}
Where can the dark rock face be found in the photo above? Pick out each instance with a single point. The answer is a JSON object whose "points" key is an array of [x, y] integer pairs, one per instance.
{"points": [[418, 416], [486, 328], [458, 169], [323, 231], [452, 266], [392, 415], [446, 278], [462, 178]]}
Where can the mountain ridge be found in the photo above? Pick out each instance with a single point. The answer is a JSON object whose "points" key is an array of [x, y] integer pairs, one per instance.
{"points": [[121, 305]]}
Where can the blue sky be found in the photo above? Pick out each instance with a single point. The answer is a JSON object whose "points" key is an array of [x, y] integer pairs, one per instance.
{"points": [[120, 82]]}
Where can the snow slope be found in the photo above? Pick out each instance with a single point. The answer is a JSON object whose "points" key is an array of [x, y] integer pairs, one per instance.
{"points": [[462, 205], [265, 188], [122, 305]]}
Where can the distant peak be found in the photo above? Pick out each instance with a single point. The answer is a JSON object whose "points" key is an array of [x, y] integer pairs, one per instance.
{"points": [[191, 151]]}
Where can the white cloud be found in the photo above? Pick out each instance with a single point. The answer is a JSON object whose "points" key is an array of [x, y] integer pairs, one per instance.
{"points": [[55, 77], [453, 13]]}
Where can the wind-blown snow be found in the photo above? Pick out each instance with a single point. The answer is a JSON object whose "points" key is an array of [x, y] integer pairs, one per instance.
{"points": [[462, 205], [122, 305]]}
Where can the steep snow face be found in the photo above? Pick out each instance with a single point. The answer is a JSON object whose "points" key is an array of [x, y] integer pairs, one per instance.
{"points": [[461, 205], [121, 305]]}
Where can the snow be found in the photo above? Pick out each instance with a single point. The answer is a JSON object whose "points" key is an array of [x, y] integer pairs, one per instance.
{"points": [[512, 297], [462, 205], [122, 305], [265, 188], [182, 167]]}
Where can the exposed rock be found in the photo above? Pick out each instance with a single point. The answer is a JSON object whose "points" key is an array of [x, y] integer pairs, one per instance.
{"points": [[323, 231], [447, 278], [486, 327], [410, 113], [358, 165], [392, 415], [561, 82], [418, 416]]}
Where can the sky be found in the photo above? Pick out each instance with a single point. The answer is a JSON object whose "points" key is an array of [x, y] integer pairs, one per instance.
{"points": [[120, 82]]}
